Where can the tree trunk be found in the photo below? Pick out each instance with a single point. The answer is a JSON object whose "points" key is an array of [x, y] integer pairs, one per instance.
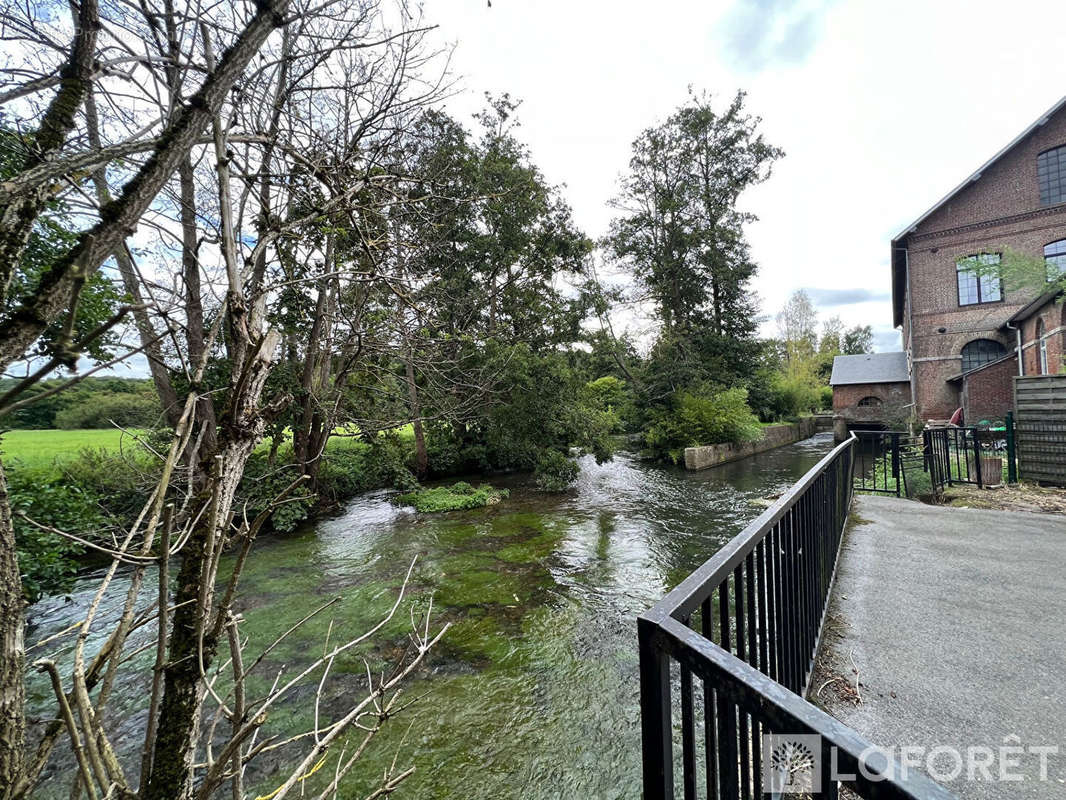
{"points": [[192, 641], [13, 655], [421, 456], [18, 217], [195, 336]]}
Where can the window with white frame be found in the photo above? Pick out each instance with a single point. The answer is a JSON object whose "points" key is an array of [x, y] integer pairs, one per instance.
{"points": [[1041, 339], [981, 351]]}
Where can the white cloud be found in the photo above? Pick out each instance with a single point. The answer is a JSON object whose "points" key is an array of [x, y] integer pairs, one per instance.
{"points": [[881, 108]]}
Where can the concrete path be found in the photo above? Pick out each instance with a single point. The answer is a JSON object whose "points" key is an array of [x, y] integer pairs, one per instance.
{"points": [[955, 622]]}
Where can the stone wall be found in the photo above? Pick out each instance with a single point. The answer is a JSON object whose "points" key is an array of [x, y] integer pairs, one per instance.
{"points": [[712, 455]]}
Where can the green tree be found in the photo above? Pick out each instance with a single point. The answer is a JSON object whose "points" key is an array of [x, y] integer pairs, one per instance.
{"points": [[679, 229], [857, 340]]}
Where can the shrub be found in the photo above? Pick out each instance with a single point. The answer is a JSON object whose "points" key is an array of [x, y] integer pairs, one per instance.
{"points": [[699, 419], [452, 498], [47, 561], [102, 410], [611, 397], [826, 397], [555, 471]]}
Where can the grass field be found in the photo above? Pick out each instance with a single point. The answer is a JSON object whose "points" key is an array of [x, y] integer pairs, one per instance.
{"points": [[44, 448]]}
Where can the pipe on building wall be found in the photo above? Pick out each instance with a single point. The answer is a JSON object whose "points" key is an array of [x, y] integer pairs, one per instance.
{"points": [[910, 333], [1018, 347]]}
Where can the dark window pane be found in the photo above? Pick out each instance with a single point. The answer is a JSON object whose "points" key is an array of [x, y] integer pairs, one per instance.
{"points": [[981, 351], [1050, 174], [1055, 256], [977, 283]]}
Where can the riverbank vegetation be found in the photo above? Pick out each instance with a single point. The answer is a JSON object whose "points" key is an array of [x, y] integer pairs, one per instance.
{"points": [[334, 286], [457, 497]]}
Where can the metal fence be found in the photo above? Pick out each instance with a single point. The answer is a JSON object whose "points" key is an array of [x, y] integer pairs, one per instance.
{"points": [[884, 458], [735, 642], [978, 456]]}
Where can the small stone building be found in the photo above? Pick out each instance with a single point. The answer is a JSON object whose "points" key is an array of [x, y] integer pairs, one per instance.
{"points": [[871, 388]]}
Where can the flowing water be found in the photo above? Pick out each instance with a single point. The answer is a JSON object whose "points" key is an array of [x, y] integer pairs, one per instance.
{"points": [[533, 691]]}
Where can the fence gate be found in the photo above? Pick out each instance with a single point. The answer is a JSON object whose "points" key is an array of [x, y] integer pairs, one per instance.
{"points": [[883, 459], [963, 455], [1040, 427]]}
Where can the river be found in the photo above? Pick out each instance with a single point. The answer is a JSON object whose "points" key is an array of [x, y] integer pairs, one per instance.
{"points": [[532, 693]]}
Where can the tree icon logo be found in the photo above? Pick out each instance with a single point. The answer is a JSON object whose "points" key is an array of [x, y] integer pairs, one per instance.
{"points": [[792, 763]]}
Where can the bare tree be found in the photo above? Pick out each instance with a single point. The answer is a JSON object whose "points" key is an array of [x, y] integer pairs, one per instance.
{"points": [[209, 147]]}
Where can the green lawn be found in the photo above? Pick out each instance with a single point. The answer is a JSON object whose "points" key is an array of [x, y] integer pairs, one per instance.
{"points": [[44, 448]]}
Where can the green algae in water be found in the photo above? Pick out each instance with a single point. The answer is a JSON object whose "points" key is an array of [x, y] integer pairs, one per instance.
{"points": [[460, 496], [533, 699]]}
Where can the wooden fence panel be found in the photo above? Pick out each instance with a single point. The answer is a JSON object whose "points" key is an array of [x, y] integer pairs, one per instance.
{"points": [[1040, 411]]}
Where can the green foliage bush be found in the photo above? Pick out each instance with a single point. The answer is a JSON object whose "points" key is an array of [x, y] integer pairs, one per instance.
{"points": [[700, 419], [126, 410], [611, 397], [542, 407], [825, 395], [780, 396], [48, 562], [452, 498], [81, 401], [555, 471]]}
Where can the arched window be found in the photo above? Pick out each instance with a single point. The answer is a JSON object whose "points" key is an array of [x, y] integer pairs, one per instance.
{"points": [[1055, 256], [1051, 176], [870, 402], [981, 351], [1041, 339]]}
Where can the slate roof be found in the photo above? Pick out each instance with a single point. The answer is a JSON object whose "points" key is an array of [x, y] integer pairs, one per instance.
{"points": [[870, 368]]}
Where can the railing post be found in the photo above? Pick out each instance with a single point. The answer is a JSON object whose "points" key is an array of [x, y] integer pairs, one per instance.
{"points": [[1012, 463], [896, 467], [655, 725], [977, 457]]}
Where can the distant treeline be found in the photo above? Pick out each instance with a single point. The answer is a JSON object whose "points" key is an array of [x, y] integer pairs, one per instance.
{"points": [[92, 403]]}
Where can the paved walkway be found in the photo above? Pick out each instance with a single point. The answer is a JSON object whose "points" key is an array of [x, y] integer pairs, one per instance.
{"points": [[955, 621]]}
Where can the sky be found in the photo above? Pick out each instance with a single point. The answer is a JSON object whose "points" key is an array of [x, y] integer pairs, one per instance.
{"points": [[881, 107]]}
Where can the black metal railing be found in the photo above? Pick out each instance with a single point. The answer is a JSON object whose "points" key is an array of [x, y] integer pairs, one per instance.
{"points": [[969, 455], [883, 459], [735, 642]]}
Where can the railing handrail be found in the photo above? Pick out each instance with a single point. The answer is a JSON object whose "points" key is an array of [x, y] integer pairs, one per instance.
{"points": [[773, 583], [685, 598], [706, 659]]}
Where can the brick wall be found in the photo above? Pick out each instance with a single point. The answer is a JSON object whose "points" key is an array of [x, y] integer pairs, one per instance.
{"points": [[893, 396], [1000, 210], [1053, 315], [988, 392]]}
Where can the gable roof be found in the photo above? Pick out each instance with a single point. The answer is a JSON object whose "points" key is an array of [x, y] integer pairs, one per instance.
{"points": [[1036, 305], [899, 262], [870, 368]]}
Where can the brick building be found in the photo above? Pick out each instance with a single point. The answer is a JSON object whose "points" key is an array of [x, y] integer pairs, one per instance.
{"points": [[965, 333], [871, 388]]}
